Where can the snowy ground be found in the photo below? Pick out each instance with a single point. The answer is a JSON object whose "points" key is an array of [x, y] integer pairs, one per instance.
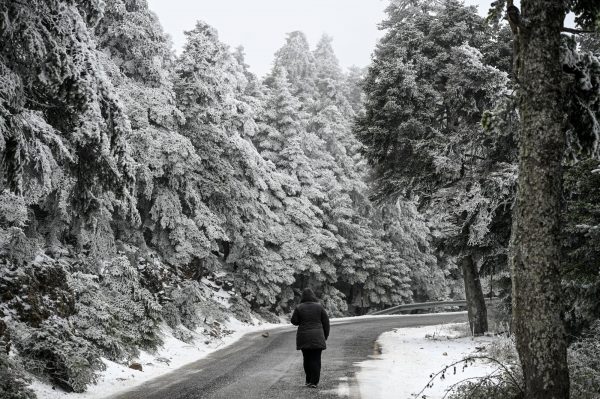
{"points": [[172, 356], [409, 356]]}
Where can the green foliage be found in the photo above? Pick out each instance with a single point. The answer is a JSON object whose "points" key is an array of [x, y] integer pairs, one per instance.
{"points": [[114, 311], [583, 108], [581, 244], [12, 383], [587, 13], [584, 364], [500, 387], [53, 350], [36, 290], [431, 84], [184, 307]]}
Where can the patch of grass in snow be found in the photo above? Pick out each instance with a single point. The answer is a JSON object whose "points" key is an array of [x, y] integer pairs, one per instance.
{"points": [[497, 351], [459, 330], [503, 382], [499, 316], [494, 386], [503, 349], [445, 332]]}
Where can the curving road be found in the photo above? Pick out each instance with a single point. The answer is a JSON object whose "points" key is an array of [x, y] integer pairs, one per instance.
{"points": [[256, 367]]}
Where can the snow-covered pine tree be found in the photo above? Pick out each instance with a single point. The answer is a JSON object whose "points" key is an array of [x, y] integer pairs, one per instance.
{"points": [[322, 115], [298, 62], [427, 90], [173, 244], [67, 174], [367, 253], [284, 140], [238, 185], [140, 63]]}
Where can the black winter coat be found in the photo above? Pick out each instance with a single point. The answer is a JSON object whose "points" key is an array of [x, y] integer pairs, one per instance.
{"points": [[313, 326]]}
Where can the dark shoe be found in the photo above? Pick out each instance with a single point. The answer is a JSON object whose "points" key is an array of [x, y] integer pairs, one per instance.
{"points": [[312, 385]]}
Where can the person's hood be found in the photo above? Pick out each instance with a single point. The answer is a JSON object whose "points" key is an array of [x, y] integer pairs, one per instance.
{"points": [[308, 295]]}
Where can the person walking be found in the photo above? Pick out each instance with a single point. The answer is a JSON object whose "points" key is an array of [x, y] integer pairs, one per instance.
{"points": [[312, 334]]}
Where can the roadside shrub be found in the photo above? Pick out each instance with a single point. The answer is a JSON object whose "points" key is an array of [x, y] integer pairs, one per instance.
{"points": [[184, 306], [496, 387], [95, 320], [53, 350], [12, 383], [584, 365], [500, 315], [191, 307], [115, 312], [333, 300], [584, 370], [241, 309], [35, 290], [504, 383], [504, 350]]}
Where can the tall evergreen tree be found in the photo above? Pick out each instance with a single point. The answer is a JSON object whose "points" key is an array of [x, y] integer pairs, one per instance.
{"points": [[427, 90], [211, 90], [336, 187], [297, 60]]}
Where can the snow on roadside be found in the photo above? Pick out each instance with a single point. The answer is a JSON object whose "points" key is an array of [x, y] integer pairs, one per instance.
{"points": [[410, 355], [173, 355]]}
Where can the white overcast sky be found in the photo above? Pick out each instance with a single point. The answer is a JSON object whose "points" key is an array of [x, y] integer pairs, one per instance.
{"points": [[261, 25]]}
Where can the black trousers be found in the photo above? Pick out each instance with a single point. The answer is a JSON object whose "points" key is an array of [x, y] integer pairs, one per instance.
{"points": [[312, 365]]}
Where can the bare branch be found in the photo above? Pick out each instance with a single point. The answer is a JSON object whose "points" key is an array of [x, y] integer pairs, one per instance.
{"points": [[473, 358], [577, 31]]}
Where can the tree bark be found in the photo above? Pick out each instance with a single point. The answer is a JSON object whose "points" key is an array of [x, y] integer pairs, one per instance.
{"points": [[535, 244], [476, 307]]}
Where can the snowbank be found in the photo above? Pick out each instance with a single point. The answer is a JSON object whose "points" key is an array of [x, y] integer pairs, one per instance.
{"points": [[409, 356], [173, 355]]}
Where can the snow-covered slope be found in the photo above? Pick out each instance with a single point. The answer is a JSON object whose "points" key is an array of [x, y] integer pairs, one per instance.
{"points": [[173, 355]]}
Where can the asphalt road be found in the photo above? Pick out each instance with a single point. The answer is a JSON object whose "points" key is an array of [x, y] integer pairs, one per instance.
{"points": [[256, 367]]}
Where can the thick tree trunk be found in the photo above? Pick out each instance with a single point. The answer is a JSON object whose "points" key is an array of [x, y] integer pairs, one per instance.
{"points": [[535, 244], [474, 294]]}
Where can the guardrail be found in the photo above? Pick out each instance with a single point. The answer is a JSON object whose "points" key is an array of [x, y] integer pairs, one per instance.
{"points": [[428, 305]]}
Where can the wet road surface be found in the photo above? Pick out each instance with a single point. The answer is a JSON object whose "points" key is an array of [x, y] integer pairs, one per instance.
{"points": [[256, 367]]}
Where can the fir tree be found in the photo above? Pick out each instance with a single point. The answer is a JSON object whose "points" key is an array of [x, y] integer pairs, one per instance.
{"points": [[423, 137]]}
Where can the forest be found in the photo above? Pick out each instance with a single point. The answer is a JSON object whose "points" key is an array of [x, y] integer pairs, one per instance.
{"points": [[135, 180]]}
